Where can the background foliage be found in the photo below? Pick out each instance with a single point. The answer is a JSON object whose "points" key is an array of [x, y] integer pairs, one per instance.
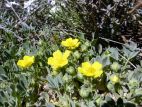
{"points": [[40, 32]]}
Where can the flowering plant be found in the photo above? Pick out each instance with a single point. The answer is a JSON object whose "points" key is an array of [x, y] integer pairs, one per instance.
{"points": [[27, 61], [88, 69], [85, 75], [71, 43], [59, 59]]}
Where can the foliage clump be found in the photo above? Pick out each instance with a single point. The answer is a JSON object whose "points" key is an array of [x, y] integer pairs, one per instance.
{"points": [[57, 58]]}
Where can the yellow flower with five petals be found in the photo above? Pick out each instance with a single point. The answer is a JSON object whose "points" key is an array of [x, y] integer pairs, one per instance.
{"points": [[27, 61], [70, 43], [59, 59], [91, 70]]}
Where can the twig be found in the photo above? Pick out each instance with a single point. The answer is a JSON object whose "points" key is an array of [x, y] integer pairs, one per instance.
{"points": [[128, 61], [138, 5], [26, 18], [14, 11], [119, 53], [117, 42]]}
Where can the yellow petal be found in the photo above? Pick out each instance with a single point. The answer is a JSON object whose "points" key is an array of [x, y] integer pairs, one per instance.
{"points": [[97, 65], [22, 64], [114, 79], [57, 54], [26, 57], [63, 43], [98, 73], [75, 41], [69, 40], [66, 54], [63, 62], [50, 60], [29, 58], [77, 44], [86, 64], [80, 69], [33, 58]]}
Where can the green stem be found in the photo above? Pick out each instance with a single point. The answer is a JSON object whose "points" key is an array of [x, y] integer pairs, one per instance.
{"points": [[127, 61]]}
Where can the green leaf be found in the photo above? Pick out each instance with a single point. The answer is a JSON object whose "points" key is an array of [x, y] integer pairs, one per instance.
{"points": [[126, 52], [132, 46], [138, 91], [100, 49], [3, 77], [106, 61], [130, 50], [1, 70], [133, 54], [91, 104], [114, 53], [72, 103], [55, 82]]}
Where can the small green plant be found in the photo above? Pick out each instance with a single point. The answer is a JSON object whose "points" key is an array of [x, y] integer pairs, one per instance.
{"points": [[56, 59], [87, 77], [71, 72]]}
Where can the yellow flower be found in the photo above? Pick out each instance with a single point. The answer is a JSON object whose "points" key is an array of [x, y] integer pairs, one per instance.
{"points": [[114, 79], [27, 61], [89, 69], [59, 59], [70, 43]]}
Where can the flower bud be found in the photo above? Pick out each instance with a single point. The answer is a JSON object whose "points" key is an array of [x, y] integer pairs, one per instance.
{"points": [[69, 88], [80, 77], [84, 48], [76, 55], [54, 72], [67, 78], [133, 83], [40, 53], [87, 44], [98, 101], [84, 92], [115, 66], [110, 87], [71, 70], [114, 79], [86, 58], [40, 42], [65, 103]]}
